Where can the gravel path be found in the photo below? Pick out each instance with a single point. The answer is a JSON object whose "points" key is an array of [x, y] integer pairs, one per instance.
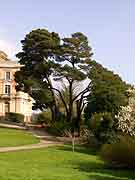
{"points": [[43, 136], [42, 144]]}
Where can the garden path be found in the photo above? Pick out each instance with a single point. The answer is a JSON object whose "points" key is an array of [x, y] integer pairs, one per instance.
{"points": [[42, 144], [46, 140]]}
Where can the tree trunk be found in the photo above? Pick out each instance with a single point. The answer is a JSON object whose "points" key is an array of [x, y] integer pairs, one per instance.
{"points": [[78, 117], [54, 112], [70, 112], [80, 107], [54, 108]]}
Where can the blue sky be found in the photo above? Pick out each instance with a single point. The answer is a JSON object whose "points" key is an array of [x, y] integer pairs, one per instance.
{"points": [[109, 25]]}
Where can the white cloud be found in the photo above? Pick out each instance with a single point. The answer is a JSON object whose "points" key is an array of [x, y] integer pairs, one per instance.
{"points": [[8, 48]]}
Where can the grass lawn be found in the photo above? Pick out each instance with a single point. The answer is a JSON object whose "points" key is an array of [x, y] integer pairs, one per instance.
{"points": [[57, 163], [13, 137]]}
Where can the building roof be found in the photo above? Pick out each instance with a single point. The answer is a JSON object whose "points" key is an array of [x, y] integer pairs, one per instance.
{"points": [[5, 62]]}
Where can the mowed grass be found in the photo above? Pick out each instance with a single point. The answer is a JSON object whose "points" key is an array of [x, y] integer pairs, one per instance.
{"points": [[13, 137], [57, 163]]}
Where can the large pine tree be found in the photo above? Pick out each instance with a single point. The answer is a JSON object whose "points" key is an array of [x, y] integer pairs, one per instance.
{"points": [[45, 57]]}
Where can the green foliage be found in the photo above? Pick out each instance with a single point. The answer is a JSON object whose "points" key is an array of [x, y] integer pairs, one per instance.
{"points": [[101, 124], [88, 137], [108, 91], [42, 118], [38, 48], [14, 117], [74, 65], [120, 154], [75, 53], [60, 127], [101, 120], [44, 55]]}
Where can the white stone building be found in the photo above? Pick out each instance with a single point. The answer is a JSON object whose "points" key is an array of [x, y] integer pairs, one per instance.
{"points": [[10, 100]]}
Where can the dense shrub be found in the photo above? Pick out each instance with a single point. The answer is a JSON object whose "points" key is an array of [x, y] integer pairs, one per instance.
{"points": [[120, 154], [14, 117], [88, 137], [60, 128], [101, 124], [42, 118]]}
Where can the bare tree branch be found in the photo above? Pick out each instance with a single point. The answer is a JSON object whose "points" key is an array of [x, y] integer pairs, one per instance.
{"points": [[82, 92], [61, 98]]}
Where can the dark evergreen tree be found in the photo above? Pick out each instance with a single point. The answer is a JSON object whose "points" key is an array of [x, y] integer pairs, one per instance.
{"points": [[38, 51], [74, 66], [108, 93], [45, 57]]}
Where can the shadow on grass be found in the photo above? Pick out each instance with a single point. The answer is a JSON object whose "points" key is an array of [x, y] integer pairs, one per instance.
{"points": [[95, 168], [106, 177], [98, 171], [79, 149]]}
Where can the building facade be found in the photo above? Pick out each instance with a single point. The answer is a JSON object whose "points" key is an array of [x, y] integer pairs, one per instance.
{"points": [[10, 99]]}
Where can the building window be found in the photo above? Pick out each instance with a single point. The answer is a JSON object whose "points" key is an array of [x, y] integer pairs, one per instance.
{"points": [[7, 107], [8, 76], [7, 89]]}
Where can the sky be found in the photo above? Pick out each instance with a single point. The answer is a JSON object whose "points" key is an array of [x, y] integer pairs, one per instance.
{"points": [[108, 24]]}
